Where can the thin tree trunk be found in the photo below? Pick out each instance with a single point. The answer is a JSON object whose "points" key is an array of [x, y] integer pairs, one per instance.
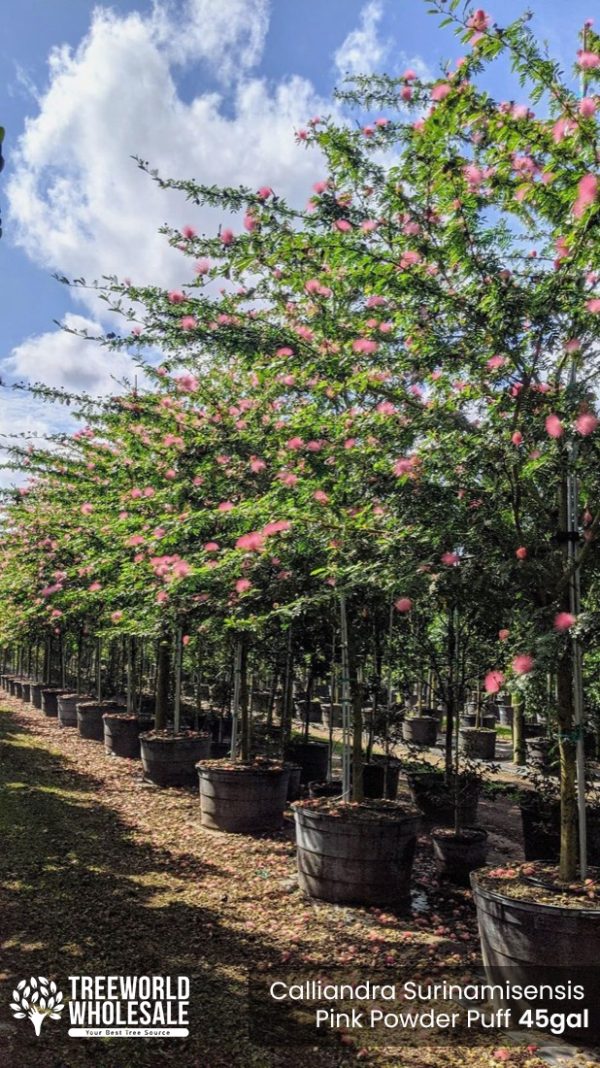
{"points": [[163, 671]]}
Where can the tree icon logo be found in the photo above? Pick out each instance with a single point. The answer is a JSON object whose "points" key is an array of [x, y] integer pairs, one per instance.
{"points": [[35, 999]]}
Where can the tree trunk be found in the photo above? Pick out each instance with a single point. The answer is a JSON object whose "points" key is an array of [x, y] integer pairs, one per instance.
{"points": [[567, 749], [244, 706], [163, 671], [518, 730]]}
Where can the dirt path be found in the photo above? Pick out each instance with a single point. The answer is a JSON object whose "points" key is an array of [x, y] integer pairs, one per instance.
{"points": [[101, 874]]}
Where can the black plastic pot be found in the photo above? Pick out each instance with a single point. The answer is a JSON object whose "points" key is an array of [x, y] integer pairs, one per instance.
{"points": [[26, 690], [435, 798], [533, 942], [67, 707], [17, 688], [542, 753], [312, 758], [477, 743], [36, 694], [90, 720], [170, 760], [332, 715], [541, 828], [505, 713], [420, 730], [242, 799], [457, 855], [293, 790], [333, 788], [391, 775], [348, 860], [122, 734], [50, 697]]}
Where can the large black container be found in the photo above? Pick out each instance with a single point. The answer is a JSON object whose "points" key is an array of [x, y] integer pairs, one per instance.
{"points": [[349, 860], [170, 759], [312, 758], [242, 799]]}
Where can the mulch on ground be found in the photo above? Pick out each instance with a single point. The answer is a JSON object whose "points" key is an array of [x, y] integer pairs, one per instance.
{"points": [[103, 874]]}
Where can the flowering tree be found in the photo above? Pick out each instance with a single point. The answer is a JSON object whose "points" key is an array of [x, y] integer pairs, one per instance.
{"points": [[393, 385]]}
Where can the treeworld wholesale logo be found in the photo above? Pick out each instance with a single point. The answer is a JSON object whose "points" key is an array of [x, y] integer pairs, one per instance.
{"points": [[35, 999], [109, 1006]]}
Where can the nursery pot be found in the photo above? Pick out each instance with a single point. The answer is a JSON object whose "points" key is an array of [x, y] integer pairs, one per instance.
{"points": [[50, 697], [543, 753], [170, 759], [26, 690], [506, 714], [293, 790], [333, 788], [533, 942], [35, 695], [67, 707], [420, 730], [122, 733], [540, 820], [315, 712], [359, 855], [242, 798], [312, 758], [457, 855], [332, 714], [434, 797], [479, 743], [390, 781], [12, 686], [89, 718], [17, 688]]}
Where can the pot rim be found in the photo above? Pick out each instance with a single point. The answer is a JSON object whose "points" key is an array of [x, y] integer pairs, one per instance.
{"points": [[445, 835], [527, 906]]}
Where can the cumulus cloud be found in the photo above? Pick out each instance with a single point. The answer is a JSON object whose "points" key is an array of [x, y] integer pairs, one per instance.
{"points": [[363, 51], [66, 360], [78, 202]]}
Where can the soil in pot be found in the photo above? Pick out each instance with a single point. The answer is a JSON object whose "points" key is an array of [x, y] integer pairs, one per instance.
{"points": [[477, 743], [356, 854], [243, 798], [435, 798], [420, 730], [89, 718], [312, 758], [457, 855], [170, 759], [535, 930], [122, 733], [67, 707]]}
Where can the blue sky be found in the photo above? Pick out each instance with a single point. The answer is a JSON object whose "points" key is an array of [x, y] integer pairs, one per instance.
{"points": [[212, 88]]}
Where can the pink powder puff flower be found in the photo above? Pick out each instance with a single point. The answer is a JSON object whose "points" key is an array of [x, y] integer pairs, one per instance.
{"points": [[450, 559], [523, 664], [116, 617], [226, 236], [586, 423], [242, 585], [87, 509], [587, 193], [176, 296], [588, 60], [593, 305], [202, 267], [517, 438], [493, 681], [403, 604], [564, 620], [253, 542], [320, 497], [521, 553], [188, 322], [189, 232], [225, 506], [343, 225], [587, 107], [554, 427], [503, 634], [440, 91]]}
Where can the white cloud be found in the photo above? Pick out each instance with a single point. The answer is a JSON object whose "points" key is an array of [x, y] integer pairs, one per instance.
{"points": [[362, 52], [77, 200], [65, 360]]}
